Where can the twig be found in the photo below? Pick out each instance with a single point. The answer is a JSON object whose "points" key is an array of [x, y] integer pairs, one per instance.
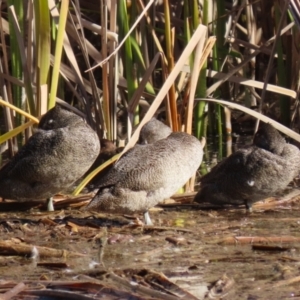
{"points": [[58, 294], [233, 240], [287, 282], [125, 37], [139, 288], [13, 292], [12, 248]]}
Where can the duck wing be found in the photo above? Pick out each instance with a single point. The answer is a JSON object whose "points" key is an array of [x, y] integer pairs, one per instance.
{"points": [[232, 164], [154, 166], [30, 161]]}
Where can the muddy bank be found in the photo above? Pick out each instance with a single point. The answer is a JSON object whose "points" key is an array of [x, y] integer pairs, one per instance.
{"points": [[190, 253]]}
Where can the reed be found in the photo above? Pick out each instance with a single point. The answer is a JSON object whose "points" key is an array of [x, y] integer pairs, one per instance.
{"points": [[74, 43]]}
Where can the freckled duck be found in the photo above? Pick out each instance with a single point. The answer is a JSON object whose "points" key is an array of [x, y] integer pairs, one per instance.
{"points": [[108, 150], [150, 173], [60, 151], [252, 173], [154, 131]]}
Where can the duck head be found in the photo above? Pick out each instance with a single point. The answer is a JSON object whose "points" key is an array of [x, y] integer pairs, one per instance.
{"points": [[268, 138], [58, 117], [153, 131]]}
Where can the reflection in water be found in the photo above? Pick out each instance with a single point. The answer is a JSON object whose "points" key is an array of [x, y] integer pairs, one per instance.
{"points": [[204, 254]]}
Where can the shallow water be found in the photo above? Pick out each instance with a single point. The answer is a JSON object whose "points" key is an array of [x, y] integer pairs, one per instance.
{"points": [[256, 255], [193, 248]]}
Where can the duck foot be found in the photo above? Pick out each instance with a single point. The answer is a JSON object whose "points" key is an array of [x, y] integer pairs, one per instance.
{"points": [[50, 206], [248, 207], [147, 219]]}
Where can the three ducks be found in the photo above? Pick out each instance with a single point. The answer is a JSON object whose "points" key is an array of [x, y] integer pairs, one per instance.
{"points": [[61, 150], [148, 173], [254, 173], [64, 147]]}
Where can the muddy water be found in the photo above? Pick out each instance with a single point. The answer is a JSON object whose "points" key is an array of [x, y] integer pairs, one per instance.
{"points": [[258, 252], [254, 256]]}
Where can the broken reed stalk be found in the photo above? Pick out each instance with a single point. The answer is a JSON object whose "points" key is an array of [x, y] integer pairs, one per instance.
{"points": [[258, 240], [22, 249]]}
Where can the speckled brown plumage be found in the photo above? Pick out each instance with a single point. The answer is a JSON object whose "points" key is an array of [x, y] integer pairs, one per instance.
{"points": [[60, 151], [148, 174], [108, 150], [253, 173], [154, 131]]}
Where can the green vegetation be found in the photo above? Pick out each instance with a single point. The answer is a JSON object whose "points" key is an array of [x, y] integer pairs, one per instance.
{"points": [[51, 48]]}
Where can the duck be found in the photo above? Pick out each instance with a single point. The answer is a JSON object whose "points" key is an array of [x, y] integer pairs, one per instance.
{"points": [[59, 152], [108, 150], [252, 173], [149, 172], [155, 130]]}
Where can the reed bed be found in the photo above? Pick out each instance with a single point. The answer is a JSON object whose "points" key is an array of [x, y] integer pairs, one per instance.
{"points": [[121, 62]]}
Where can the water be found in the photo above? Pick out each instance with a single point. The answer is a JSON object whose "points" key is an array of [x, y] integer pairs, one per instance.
{"points": [[258, 254], [207, 245]]}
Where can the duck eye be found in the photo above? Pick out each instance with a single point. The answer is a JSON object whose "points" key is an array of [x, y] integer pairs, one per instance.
{"points": [[50, 124], [250, 182]]}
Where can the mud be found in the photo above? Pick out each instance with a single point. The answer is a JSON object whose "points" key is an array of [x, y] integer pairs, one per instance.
{"points": [[192, 252]]}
